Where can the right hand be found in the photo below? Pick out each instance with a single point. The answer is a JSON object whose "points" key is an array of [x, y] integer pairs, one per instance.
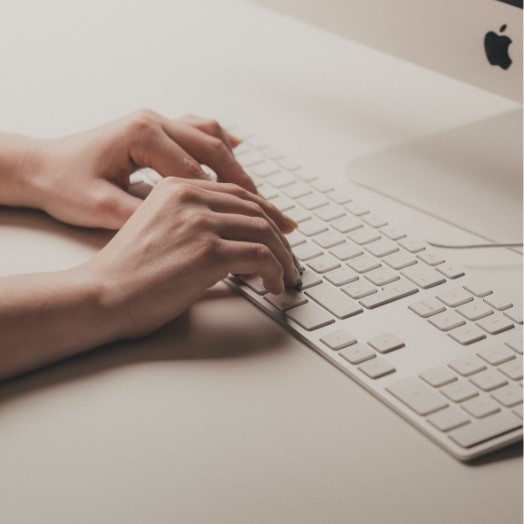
{"points": [[184, 238]]}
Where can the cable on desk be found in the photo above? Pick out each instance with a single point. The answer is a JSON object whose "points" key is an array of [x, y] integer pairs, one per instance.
{"points": [[475, 246]]}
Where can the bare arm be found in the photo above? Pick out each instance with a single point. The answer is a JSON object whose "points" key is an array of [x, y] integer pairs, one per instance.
{"points": [[185, 237]]}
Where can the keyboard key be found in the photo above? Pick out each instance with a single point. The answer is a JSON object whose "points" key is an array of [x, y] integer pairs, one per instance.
{"points": [[450, 271], [359, 289], [264, 169], [356, 209], [475, 310], [498, 302], [496, 355], [287, 300], [250, 158], [307, 251], [328, 239], [346, 251], [322, 186], [312, 201], [329, 212], [363, 263], [392, 232], [447, 320], [438, 376], [495, 324], [295, 238], [282, 203], [306, 176], [267, 191], [340, 276], [485, 429], [288, 164], [363, 236], [431, 258], [467, 334], [323, 263], [374, 221], [455, 297], [423, 276], [346, 224], [386, 343], [489, 380], [297, 190], [309, 279], [298, 214], [310, 316], [467, 365], [312, 227], [515, 314], [400, 260], [509, 395], [428, 307], [381, 276], [412, 245], [417, 395], [382, 247], [376, 368], [478, 289], [459, 391], [515, 343], [254, 282], [448, 419], [357, 353], [389, 293], [338, 339], [512, 369], [339, 197], [481, 407], [334, 301]]}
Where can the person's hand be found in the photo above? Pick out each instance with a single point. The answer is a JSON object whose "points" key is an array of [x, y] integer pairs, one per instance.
{"points": [[185, 237], [83, 179]]}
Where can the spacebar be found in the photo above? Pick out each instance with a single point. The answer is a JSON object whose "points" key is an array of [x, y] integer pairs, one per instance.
{"points": [[481, 430]]}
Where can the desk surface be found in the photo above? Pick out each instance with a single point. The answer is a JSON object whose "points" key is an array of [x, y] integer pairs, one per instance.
{"points": [[193, 424]]}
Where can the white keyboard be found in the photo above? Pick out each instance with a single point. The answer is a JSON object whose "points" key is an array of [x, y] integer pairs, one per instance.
{"points": [[398, 317]]}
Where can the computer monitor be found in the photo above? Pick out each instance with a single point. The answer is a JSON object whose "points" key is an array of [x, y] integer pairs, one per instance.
{"points": [[469, 176], [477, 41]]}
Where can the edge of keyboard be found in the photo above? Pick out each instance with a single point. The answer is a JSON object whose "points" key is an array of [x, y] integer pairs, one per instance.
{"points": [[258, 158]]}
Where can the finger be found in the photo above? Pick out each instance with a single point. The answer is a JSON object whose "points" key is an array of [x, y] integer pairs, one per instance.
{"points": [[211, 151], [284, 223], [156, 150], [258, 230], [114, 206], [248, 258], [231, 204], [213, 128]]}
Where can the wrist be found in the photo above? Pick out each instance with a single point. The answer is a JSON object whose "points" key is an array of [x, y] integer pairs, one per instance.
{"points": [[22, 168]]}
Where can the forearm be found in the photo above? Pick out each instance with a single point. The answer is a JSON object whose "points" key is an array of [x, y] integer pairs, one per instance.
{"points": [[46, 317], [21, 161]]}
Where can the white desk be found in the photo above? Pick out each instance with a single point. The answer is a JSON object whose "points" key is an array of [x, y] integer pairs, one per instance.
{"points": [[212, 420]]}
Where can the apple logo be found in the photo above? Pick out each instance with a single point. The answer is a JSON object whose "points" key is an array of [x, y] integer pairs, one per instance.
{"points": [[496, 47]]}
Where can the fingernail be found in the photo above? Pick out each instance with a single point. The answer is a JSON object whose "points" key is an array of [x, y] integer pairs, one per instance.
{"points": [[290, 222], [235, 141], [299, 270]]}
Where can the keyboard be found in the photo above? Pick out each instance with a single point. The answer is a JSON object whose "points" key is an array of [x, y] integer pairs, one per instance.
{"points": [[395, 315]]}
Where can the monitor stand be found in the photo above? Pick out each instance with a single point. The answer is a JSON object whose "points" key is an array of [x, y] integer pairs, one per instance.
{"points": [[470, 176]]}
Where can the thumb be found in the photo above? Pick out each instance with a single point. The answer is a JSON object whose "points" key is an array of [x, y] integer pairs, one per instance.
{"points": [[118, 206]]}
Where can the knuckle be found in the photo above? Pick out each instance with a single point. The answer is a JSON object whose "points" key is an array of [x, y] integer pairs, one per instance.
{"points": [[143, 124], [262, 225], [217, 148], [213, 126], [256, 209]]}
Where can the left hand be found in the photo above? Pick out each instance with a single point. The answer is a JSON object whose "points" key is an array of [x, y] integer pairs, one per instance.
{"points": [[83, 179]]}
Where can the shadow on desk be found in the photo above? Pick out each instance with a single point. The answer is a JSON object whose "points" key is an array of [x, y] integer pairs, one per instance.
{"points": [[210, 329]]}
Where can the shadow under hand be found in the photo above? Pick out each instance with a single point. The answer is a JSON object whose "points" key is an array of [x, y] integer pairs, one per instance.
{"points": [[219, 326]]}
